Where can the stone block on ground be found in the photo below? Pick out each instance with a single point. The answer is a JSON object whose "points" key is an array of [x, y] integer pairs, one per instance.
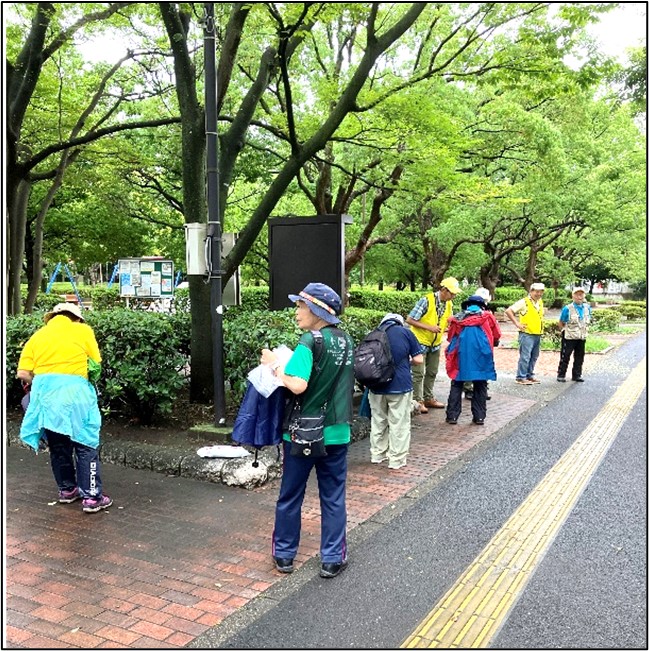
{"points": [[243, 472]]}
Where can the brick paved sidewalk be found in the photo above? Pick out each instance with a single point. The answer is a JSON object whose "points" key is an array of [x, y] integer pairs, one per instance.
{"points": [[174, 557]]}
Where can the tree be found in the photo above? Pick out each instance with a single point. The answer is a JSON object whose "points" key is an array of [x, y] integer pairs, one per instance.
{"points": [[290, 31], [31, 157]]}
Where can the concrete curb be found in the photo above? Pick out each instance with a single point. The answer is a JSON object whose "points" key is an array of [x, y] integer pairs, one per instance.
{"points": [[182, 461]]}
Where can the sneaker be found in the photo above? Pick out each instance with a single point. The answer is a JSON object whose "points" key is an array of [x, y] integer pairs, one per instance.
{"points": [[523, 381], [378, 459], [478, 421], [451, 421], [533, 380], [329, 570], [560, 378], [468, 395], [283, 565], [396, 466], [67, 497], [94, 504], [577, 379]]}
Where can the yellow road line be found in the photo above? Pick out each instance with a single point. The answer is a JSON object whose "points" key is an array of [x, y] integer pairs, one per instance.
{"points": [[473, 610]]}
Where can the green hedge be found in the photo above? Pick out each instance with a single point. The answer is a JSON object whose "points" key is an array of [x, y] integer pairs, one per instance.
{"points": [[18, 330], [606, 320], [632, 310], [144, 359], [146, 354], [387, 301]]}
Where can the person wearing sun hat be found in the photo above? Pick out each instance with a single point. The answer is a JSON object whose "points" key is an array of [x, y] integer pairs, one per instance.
{"points": [[328, 385], [574, 321], [529, 324], [63, 407], [428, 321], [472, 335], [485, 294]]}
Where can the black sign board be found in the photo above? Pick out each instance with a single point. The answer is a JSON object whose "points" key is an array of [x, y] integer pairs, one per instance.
{"points": [[305, 250]]}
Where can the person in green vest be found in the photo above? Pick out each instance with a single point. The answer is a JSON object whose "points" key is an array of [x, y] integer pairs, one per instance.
{"points": [[428, 321], [527, 316]]}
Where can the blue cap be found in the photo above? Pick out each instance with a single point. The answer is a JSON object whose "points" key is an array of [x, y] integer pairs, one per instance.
{"points": [[321, 300]]}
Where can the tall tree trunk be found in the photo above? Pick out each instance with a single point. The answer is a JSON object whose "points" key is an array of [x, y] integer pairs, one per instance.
{"points": [[194, 197], [34, 279], [17, 224], [489, 276]]}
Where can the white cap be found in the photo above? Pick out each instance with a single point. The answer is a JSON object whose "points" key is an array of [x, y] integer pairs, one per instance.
{"points": [[578, 289], [392, 317], [483, 292], [540, 286]]}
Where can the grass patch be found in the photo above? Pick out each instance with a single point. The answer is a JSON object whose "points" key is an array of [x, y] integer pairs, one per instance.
{"points": [[596, 344], [593, 345]]}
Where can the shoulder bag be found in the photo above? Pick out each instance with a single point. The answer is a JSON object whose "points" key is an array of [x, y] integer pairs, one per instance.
{"points": [[307, 432]]}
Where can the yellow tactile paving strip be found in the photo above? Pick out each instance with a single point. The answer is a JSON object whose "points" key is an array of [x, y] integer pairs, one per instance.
{"points": [[473, 610]]}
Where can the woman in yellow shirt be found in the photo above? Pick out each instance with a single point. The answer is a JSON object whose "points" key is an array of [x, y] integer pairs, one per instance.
{"points": [[63, 404]]}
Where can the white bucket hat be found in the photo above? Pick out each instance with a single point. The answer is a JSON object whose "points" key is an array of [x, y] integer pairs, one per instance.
{"points": [[62, 308]]}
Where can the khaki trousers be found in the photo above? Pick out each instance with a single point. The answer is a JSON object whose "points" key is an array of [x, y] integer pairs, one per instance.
{"points": [[424, 375], [390, 432]]}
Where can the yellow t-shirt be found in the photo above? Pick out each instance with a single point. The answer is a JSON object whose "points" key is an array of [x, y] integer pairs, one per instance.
{"points": [[61, 346]]}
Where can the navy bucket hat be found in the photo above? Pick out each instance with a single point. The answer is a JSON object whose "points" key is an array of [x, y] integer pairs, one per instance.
{"points": [[475, 299], [321, 300]]}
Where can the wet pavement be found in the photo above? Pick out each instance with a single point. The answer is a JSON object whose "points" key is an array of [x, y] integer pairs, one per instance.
{"points": [[174, 556]]}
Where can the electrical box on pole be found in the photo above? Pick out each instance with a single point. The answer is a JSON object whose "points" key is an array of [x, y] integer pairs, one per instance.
{"points": [[197, 263]]}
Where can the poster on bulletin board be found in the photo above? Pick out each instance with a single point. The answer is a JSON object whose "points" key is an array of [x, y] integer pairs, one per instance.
{"points": [[146, 278]]}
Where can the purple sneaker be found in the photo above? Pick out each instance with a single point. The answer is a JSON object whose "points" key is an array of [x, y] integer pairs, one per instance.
{"points": [[94, 504], [67, 497]]}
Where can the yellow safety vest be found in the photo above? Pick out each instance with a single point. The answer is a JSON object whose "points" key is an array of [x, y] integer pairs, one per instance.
{"points": [[532, 317], [426, 337]]}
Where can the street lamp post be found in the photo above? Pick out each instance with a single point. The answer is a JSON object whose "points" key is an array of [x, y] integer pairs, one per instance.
{"points": [[214, 240]]}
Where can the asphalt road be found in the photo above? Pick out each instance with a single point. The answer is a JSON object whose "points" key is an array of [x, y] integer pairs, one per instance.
{"points": [[589, 590]]}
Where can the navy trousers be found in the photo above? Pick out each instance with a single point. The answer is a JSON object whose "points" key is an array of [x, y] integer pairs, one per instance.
{"points": [[331, 472], [86, 476], [478, 402]]}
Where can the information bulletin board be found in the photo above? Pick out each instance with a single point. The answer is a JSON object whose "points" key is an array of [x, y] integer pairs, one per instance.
{"points": [[146, 278]]}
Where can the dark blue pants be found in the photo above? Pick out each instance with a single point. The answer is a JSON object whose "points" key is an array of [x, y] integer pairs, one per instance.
{"points": [[86, 476], [331, 472], [478, 402]]}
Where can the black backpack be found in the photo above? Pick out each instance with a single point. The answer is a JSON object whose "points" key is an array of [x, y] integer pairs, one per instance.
{"points": [[373, 362]]}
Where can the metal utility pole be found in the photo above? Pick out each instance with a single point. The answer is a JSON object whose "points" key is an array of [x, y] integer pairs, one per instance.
{"points": [[213, 241]]}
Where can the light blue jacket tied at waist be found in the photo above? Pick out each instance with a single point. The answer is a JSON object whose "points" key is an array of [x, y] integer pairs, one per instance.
{"points": [[66, 404]]}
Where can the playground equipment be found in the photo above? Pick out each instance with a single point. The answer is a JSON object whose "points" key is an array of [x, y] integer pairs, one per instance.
{"points": [[66, 271]]}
